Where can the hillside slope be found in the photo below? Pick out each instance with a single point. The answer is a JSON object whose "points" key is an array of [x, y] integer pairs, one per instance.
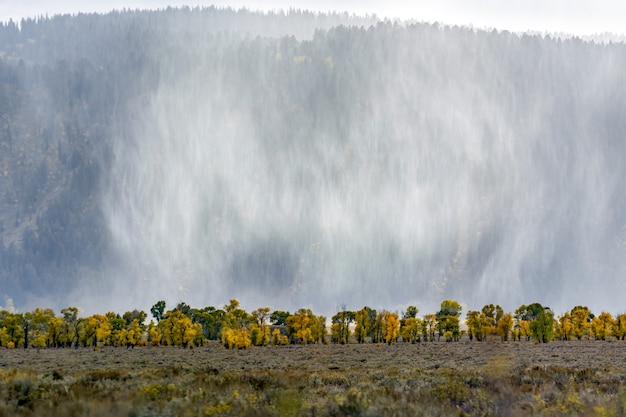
{"points": [[203, 154]]}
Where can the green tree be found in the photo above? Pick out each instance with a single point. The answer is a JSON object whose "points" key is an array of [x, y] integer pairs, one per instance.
{"points": [[279, 318], [540, 319], [411, 312], [158, 310], [138, 315], [448, 319]]}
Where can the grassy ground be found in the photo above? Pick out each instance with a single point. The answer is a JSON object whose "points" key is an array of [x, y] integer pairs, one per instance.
{"points": [[428, 379]]}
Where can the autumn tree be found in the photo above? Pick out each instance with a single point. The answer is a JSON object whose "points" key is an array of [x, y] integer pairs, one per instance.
{"points": [[364, 321], [504, 326], [155, 335], [40, 323], [235, 322], [70, 331], [53, 337], [564, 329], [117, 336], [410, 329], [602, 326], [317, 324], [492, 314], [540, 320], [619, 326], [259, 330], [430, 327], [134, 331], [581, 319], [477, 325], [305, 327], [448, 319], [298, 326], [178, 329], [12, 330], [390, 326], [340, 328], [95, 329], [239, 338]]}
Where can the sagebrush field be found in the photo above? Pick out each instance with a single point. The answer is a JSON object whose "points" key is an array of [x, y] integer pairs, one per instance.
{"points": [[424, 379]]}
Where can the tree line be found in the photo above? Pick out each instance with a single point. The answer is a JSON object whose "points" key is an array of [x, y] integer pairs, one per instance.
{"points": [[234, 327]]}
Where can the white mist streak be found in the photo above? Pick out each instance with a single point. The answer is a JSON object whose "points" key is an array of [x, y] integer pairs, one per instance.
{"points": [[444, 175]]}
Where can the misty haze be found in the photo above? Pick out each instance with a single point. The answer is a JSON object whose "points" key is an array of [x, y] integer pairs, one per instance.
{"points": [[310, 160]]}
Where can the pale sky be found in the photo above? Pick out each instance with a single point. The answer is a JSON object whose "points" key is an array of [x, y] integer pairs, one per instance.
{"points": [[578, 17]]}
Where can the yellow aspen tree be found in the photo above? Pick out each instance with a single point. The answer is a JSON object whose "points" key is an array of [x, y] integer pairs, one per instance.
{"points": [[4, 339], [121, 337], [88, 332], [40, 323], [364, 322], [504, 326], [228, 338], [391, 326], [266, 336], [239, 338], [198, 339], [430, 326], [410, 330], [261, 316], [53, 338], [276, 337], [524, 329], [155, 334], [602, 325], [475, 324], [565, 328], [581, 319], [619, 326], [103, 331], [298, 326], [133, 335], [256, 336]]}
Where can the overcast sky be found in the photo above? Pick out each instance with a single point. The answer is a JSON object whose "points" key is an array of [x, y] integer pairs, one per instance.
{"points": [[580, 17]]}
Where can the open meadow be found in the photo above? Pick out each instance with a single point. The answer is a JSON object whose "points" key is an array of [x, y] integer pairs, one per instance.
{"points": [[429, 379]]}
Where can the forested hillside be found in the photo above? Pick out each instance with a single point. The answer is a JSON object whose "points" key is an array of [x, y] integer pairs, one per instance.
{"points": [[66, 83], [196, 153]]}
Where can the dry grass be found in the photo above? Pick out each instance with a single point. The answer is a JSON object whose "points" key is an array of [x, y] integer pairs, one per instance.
{"points": [[465, 378]]}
